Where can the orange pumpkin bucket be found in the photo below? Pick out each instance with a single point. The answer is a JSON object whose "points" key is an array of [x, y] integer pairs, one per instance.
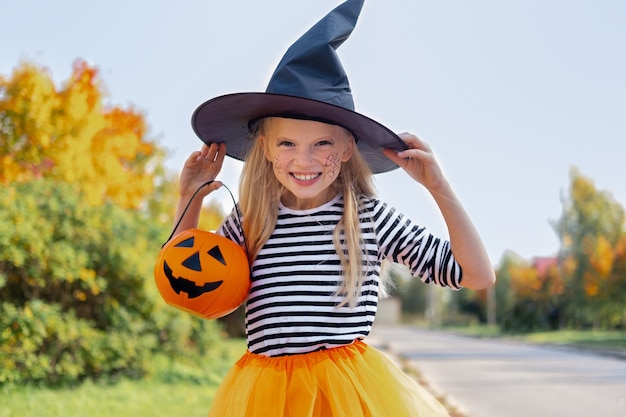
{"points": [[202, 273]]}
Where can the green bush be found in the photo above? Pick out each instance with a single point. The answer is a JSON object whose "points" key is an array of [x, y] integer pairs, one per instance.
{"points": [[528, 315], [77, 293], [41, 344]]}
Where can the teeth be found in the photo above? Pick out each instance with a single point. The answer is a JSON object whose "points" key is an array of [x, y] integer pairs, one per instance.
{"points": [[305, 177]]}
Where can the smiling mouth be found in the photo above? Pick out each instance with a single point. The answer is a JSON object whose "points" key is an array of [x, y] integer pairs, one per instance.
{"points": [[305, 177]]}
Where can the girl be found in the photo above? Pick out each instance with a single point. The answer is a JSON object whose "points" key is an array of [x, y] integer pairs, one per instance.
{"points": [[316, 236]]}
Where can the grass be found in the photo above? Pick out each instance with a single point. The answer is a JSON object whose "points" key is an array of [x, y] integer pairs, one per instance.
{"points": [[127, 398], [169, 393], [600, 340], [591, 339]]}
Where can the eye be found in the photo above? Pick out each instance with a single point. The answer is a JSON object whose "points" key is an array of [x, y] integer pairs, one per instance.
{"points": [[285, 143], [324, 142]]}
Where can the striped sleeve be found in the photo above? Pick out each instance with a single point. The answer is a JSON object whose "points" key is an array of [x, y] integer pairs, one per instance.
{"points": [[402, 241], [231, 227]]}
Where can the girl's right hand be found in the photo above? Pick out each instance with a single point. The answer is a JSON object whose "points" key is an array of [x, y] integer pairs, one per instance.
{"points": [[202, 166]]}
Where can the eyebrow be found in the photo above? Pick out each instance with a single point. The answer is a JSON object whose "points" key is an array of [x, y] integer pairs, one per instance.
{"points": [[333, 138]]}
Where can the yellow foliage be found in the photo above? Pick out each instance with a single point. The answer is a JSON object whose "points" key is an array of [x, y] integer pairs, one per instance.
{"points": [[70, 135], [591, 283], [524, 280], [211, 217], [536, 280], [80, 295], [602, 256], [85, 274]]}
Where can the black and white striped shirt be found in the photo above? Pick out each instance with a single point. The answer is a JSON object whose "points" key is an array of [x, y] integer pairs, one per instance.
{"points": [[291, 307]]}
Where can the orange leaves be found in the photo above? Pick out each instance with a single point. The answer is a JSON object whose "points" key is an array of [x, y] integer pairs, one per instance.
{"points": [[536, 280], [591, 229], [83, 85], [601, 256], [524, 280], [68, 134]]}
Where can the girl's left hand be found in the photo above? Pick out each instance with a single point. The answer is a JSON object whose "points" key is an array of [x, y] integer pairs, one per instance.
{"points": [[418, 161]]}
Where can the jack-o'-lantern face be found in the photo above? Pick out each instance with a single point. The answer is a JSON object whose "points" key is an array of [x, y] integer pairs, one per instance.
{"points": [[202, 273]]}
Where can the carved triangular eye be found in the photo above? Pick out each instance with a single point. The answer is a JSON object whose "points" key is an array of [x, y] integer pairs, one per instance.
{"points": [[217, 254], [187, 243], [193, 262]]}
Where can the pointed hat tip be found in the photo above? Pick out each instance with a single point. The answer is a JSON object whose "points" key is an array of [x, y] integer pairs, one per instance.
{"points": [[311, 67]]}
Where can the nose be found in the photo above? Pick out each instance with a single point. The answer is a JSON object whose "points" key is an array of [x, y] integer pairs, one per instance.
{"points": [[304, 156]]}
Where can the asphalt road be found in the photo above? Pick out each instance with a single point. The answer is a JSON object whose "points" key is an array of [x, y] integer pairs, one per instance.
{"points": [[496, 378]]}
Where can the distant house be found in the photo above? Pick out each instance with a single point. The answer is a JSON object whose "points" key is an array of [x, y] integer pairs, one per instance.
{"points": [[543, 264]]}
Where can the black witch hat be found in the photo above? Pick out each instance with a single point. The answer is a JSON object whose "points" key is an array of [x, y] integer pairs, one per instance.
{"points": [[309, 83]]}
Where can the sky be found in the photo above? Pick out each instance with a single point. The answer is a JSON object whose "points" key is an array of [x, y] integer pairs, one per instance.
{"points": [[511, 95]]}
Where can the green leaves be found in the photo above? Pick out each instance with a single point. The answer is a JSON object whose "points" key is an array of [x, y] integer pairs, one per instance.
{"points": [[77, 296]]}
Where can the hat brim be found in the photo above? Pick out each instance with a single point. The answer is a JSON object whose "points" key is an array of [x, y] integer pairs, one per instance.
{"points": [[225, 119]]}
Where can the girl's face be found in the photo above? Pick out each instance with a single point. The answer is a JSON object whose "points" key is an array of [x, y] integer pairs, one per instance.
{"points": [[306, 157]]}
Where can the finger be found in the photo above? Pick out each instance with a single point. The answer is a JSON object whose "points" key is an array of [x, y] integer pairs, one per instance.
{"points": [[215, 151], [415, 153], [221, 153], [414, 141], [395, 157], [201, 154], [214, 185], [193, 157]]}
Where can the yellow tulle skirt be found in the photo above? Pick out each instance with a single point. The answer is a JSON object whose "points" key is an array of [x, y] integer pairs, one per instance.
{"points": [[349, 381]]}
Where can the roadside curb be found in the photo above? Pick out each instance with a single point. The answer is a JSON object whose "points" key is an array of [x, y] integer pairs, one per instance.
{"points": [[455, 409]]}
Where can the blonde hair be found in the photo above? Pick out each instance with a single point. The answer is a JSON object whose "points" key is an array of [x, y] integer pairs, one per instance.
{"points": [[260, 193]]}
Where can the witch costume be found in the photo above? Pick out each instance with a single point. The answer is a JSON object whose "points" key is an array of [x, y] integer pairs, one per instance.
{"points": [[306, 353]]}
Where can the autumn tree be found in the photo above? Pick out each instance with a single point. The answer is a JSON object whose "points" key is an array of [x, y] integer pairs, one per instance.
{"points": [[529, 294], [77, 293], [69, 134], [591, 230]]}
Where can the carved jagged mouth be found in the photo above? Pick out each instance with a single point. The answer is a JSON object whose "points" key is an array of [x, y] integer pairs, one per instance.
{"points": [[189, 287]]}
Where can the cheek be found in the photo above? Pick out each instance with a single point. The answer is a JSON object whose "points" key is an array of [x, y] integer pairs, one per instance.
{"points": [[277, 164], [333, 163]]}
